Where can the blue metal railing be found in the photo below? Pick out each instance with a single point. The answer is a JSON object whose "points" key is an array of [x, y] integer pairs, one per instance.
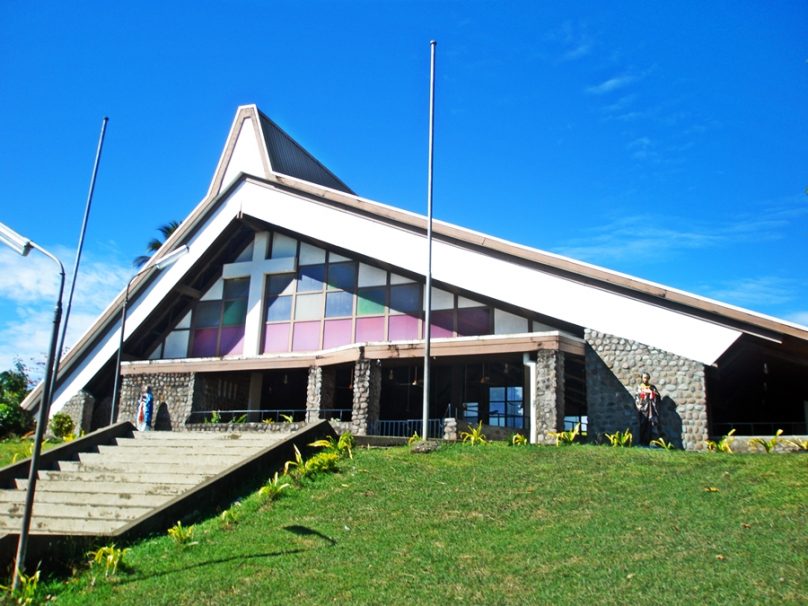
{"points": [[404, 428]]}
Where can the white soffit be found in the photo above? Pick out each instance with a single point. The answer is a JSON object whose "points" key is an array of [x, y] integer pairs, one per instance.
{"points": [[519, 285], [142, 303]]}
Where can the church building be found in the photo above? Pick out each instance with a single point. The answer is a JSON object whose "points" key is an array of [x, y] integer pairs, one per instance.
{"points": [[299, 300]]}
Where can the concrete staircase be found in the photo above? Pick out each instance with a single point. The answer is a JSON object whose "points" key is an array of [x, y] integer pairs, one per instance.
{"points": [[107, 490]]}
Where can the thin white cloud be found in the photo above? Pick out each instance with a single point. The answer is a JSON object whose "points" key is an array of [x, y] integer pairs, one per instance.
{"points": [[654, 238], [28, 289], [611, 85], [798, 317], [752, 292], [571, 42]]}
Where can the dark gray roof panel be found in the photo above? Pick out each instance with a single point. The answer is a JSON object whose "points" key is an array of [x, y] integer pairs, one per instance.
{"points": [[289, 158]]}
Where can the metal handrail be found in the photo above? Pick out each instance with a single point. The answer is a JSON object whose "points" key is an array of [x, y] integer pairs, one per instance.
{"points": [[405, 428], [272, 415]]}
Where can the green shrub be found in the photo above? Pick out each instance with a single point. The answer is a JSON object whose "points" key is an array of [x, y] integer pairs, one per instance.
{"points": [[14, 419], [518, 439], [62, 425], [620, 439], [567, 438], [109, 556], [474, 435]]}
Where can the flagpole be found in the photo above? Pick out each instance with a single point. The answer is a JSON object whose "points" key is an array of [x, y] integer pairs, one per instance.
{"points": [[79, 247], [428, 287]]}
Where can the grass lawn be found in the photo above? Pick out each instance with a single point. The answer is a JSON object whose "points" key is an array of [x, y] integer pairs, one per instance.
{"points": [[21, 447], [494, 525]]}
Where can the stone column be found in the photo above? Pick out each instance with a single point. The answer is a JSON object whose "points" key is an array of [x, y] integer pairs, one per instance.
{"points": [[613, 369], [314, 394], [80, 408], [549, 394], [367, 385]]}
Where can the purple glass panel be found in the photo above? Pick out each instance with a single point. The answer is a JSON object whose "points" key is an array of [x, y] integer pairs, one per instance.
{"points": [[232, 341], [442, 323], [369, 329], [276, 338], [473, 321], [204, 342], [306, 336], [403, 328], [336, 333]]}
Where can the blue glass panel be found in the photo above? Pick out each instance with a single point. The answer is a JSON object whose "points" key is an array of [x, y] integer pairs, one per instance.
{"points": [[277, 284], [342, 275], [405, 298], [207, 313], [310, 278], [279, 309], [338, 304]]}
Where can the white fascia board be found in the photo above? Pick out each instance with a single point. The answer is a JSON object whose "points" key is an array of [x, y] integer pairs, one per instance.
{"points": [[143, 302], [555, 296]]}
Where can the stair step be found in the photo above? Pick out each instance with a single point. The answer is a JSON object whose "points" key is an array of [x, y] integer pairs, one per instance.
{"points": [[206, 436], [144, 459], [95, 512], [88, 476], [151, 488], [60, 525], [85, 498], [192, 448], [125, 468]]}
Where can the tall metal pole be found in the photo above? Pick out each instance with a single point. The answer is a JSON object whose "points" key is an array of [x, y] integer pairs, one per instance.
{"points": [[116, 385], [428, 297], [44, 407], [79, 247], [167, 260]]}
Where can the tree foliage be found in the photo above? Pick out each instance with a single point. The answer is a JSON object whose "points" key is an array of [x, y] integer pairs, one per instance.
{"points": [[15, 384], [155, 243]]}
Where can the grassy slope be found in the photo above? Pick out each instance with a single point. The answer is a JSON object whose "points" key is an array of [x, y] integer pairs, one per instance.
{"points": [[21, 448], [496, 525]]}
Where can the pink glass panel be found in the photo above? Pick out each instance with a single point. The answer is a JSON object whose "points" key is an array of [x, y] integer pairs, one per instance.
{"points": [[276, 338], [369, 329], [204, 342], [232, 341], [473, 321], [336, 333], [442, 323], [403, 328], [306, 336]]}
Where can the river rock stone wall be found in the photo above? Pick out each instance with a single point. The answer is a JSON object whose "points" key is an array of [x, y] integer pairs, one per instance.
{"points": [[80, 408], [174, 394], [367, 388], [320, 391], [614, 366], [549, 395]]}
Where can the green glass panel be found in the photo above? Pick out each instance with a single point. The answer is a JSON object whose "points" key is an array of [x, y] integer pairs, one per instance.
{"points": [[370, 301], [235, 312]]}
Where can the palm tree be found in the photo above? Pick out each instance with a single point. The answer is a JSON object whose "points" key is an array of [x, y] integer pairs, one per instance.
{"points": [[154, 244]]}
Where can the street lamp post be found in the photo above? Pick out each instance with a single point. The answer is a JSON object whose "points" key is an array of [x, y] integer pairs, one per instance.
{"points": [[162, 263], [23, 246]]}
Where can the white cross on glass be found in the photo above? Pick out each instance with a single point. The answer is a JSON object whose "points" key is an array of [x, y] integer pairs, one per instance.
{"points": [[255, 270]]}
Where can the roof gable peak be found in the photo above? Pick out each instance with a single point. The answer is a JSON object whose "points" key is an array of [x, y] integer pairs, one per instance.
{"points": [[257, 146]]}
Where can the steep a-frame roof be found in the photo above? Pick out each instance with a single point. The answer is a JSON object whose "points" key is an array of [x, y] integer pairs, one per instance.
{"points": [[248, 184], [259, 147]]}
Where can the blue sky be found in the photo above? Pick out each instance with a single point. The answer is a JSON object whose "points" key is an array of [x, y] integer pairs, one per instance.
{"points": [[668, 140]]}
